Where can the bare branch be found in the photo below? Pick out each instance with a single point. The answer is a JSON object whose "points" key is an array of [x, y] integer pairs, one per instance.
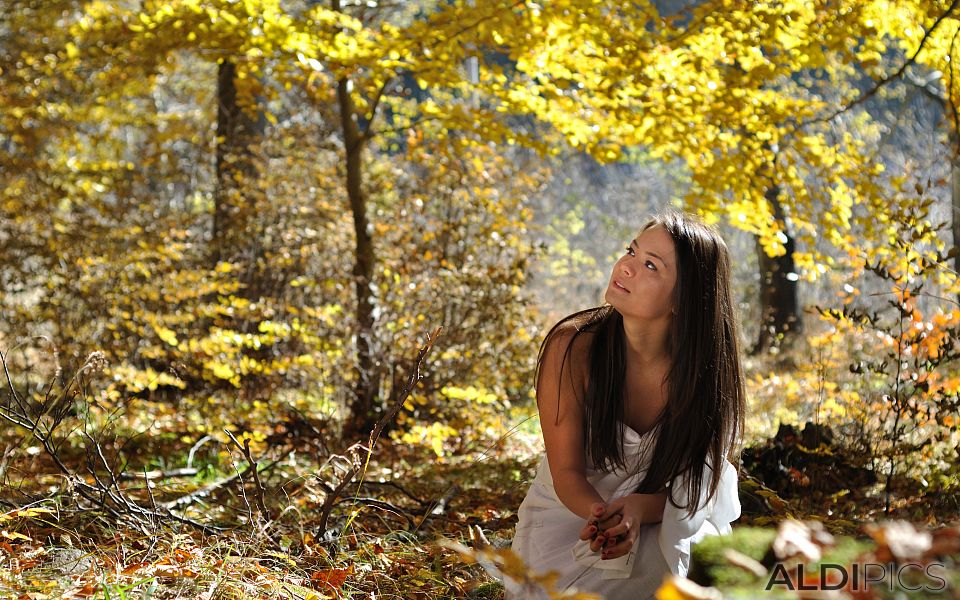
{"points": [[208, 489], [157, 474], [899, 72], [358, 465], [245, 448], [368, 130], [105, 495]]}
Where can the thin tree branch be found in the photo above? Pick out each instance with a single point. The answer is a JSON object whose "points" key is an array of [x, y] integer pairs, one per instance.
{"points": [[368, 130], [899, 72], [245, 448], [383, 505], [157, 474], [397, 487], [105, 495], [358, 465], [208, 489], [951, 105], [408, 127]]}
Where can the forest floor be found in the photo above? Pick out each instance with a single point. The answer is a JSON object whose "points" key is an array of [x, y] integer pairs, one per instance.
{"points": [[409, 524]]}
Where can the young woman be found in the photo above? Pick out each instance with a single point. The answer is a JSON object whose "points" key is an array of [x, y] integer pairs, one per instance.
{"points": [[641, 402]]}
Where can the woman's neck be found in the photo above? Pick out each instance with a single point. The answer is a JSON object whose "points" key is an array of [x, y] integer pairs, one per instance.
{"points": [[647, 341]]}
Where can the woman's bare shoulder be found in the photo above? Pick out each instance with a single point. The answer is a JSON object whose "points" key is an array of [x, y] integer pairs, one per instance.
{"points": [[566, 353], [563, 334]]}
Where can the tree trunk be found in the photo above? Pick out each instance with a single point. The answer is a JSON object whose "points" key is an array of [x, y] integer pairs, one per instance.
{"points": [[363, 407], [779, 305], [955, 194], [236, 235]]}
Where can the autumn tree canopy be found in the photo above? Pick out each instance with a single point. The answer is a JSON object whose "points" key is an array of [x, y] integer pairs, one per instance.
{"points": [[192, 121]]}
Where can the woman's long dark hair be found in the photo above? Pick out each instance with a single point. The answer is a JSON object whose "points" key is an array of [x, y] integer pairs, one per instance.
{"points": [[702, 421]]}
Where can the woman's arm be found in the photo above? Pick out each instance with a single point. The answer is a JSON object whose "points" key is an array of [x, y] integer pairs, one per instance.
{"points": [[560, 389]]}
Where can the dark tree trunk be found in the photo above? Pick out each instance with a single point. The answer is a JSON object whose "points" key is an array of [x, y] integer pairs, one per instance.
{"points": [[779, 304], [364, 405], [955, 194], [236, 234]]}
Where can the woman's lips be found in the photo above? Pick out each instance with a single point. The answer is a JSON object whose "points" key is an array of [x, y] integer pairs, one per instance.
{"points": [[619, 286]]}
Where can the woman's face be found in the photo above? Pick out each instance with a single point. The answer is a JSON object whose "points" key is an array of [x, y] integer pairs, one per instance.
{"points": [[642, 282]]}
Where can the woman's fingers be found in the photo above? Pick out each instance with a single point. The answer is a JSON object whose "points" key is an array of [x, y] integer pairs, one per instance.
{"points": [[621, 528], [620, 548], [605, 529], [614, 507], [610, 521]]}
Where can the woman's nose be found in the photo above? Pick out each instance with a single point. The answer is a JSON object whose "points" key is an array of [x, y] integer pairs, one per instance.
{"points": [[626, 269]]}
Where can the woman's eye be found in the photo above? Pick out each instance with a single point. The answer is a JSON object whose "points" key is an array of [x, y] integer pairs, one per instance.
{"points": [[650, 265], [630, 251]]}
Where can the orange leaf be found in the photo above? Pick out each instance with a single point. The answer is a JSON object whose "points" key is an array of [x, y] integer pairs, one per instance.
{"points": [[334, 578], [131, 569], [182, 555]]}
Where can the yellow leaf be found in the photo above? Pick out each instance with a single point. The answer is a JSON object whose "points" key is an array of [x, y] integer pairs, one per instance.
{"points": [[166, 335], [221, 370], [679, 588]]}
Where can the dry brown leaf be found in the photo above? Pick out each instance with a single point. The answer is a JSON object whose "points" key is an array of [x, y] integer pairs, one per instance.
{"points": [[945, 542], [803, 539], [899, 540], [331, 578], [477, 538], [739, 559]]}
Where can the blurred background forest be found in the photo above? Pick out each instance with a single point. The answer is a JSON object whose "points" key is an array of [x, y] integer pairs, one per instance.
{"points": [[230, 230]]}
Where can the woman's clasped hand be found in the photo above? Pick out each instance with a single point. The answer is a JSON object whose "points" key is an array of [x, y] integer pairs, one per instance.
{"points": [[613, 527]]}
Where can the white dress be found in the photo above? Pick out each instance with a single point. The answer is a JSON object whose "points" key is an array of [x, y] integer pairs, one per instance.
{"points": [[547, 537]]}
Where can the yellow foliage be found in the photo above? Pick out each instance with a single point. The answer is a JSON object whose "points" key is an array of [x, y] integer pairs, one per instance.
{"points": [[679, 588], [433, 436], [470, 393], [128, 378], [168, 336]]}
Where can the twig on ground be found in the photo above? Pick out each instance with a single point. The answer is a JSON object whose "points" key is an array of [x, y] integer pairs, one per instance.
{"points": [[258, 498], [243, 493], [212, 487], [5, 460], [398, 487], [360, 454], [195, 447], [440, 506], [40, 423], [383, 505], [157, 474], [153, 501]]}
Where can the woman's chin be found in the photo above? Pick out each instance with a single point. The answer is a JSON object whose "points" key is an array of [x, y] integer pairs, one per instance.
{"points": [[610, 298]]}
